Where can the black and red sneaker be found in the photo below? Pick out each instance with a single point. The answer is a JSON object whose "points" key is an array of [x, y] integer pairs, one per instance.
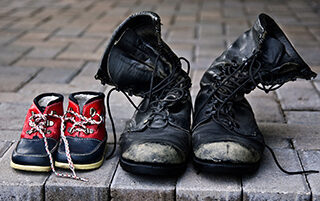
{"points": [[85, 132], [40, 134]]}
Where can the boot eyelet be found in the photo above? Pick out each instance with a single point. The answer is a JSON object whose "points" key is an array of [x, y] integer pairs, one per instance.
{"points": [[92, 111], [48, 131], [29, 132]]}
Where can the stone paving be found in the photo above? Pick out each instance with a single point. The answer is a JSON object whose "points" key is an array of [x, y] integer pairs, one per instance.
{"points": [[56, 46]]}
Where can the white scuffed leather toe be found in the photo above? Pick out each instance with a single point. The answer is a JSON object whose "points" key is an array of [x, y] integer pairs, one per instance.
{"points": [[227, 152]]}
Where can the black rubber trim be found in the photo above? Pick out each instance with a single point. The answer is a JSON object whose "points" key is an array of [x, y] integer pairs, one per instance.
{"points": [[225, 168], [154, 169], [99, 95]]}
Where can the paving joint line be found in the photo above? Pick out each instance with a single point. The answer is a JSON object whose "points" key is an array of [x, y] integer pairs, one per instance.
{"points": [[301, 164], [11, 143], [19, 87], [77, 72], [112, 177], [14, 38], [52, 34], [276, 98], [21, 56]]}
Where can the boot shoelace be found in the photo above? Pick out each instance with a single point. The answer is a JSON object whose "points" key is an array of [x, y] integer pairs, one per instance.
{"points": [[234, 82], [40, 123], [153, 90], [234, 79]]}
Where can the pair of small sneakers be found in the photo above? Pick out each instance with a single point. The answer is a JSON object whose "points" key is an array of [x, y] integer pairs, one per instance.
{"points": [[51, 138]]}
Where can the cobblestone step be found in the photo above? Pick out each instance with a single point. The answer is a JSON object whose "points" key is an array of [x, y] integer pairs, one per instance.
{"points": [[111, 182], [56, 46]]}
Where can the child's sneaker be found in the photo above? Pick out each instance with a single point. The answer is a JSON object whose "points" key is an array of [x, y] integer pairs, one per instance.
{"points": [[85, 132], [40, 134]]}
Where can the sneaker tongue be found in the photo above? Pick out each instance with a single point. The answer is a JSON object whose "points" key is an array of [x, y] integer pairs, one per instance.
{"points": [[45, 101], [83, 99]]}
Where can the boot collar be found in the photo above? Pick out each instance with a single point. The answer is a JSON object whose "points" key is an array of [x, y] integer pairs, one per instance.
{"points": [[139, 34]]}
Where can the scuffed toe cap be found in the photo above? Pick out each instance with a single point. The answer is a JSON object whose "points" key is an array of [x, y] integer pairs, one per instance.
{"points": [[153, 153], [227, 152]]}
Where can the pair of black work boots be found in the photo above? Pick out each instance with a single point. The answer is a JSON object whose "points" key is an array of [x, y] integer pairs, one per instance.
{"points": [[224, 135]]}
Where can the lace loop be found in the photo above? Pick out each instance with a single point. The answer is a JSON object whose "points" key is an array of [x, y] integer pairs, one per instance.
{"points": [[233, 81], [80, 125]]}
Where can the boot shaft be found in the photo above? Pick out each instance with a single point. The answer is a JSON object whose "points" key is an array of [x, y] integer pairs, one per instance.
{"points": [[263, 54], [136, 54], [261, 57]]}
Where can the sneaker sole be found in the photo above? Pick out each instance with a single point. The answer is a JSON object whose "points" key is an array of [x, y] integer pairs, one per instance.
{"points": [[228, 168], [80, 166], [89, 166], [152, 169], [31, 168]]}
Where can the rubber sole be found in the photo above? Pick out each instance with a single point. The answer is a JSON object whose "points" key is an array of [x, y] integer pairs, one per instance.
{"points": [[31, 168], [152, 169], [89, 166], [225, 168]]}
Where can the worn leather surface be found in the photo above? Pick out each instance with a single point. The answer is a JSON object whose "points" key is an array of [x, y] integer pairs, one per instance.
{"points": [[134, 57], [131, 54], [263, 55]]}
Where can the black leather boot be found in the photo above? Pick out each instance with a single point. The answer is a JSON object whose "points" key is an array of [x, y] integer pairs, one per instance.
{"points": [[225, 136], [157, 139]]}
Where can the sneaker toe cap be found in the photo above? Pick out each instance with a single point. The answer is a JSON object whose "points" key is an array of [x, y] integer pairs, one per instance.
{"points": [[227, 152], [153, 153]]}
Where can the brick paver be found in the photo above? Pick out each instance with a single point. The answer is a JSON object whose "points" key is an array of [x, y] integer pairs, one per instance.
{"points": [[57, 46]]}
